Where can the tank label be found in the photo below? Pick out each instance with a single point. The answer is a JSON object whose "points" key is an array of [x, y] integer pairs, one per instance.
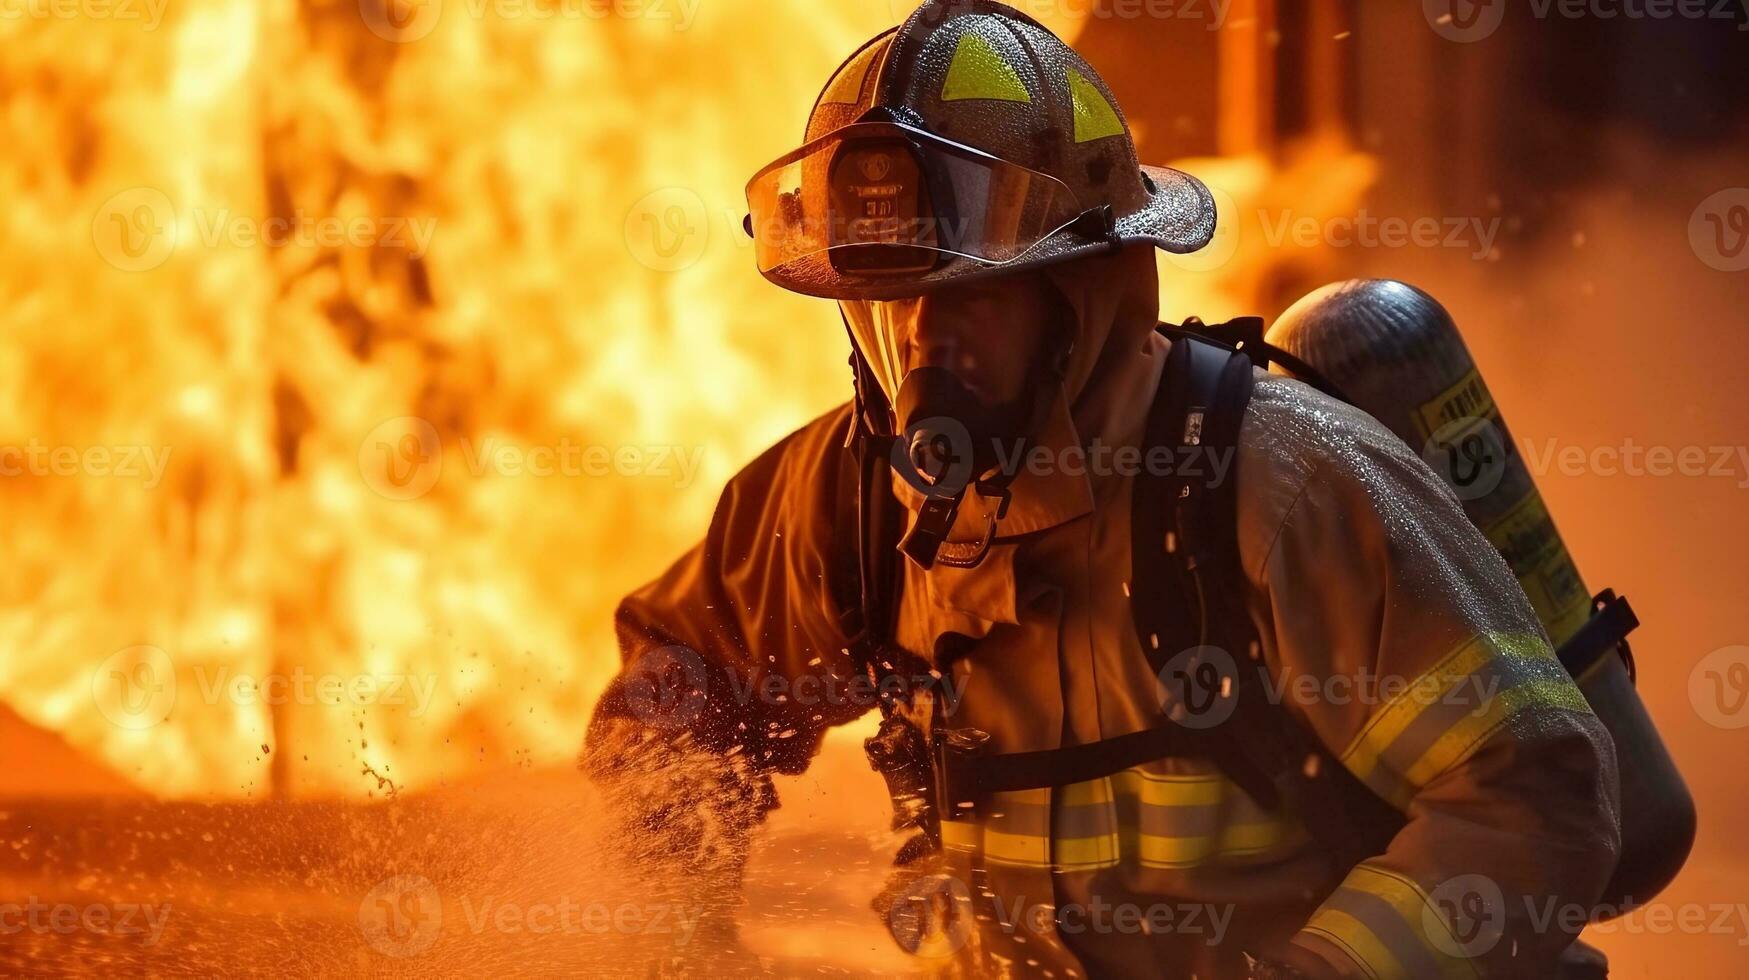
{"points": [[1527, 539], [1468, 399]]}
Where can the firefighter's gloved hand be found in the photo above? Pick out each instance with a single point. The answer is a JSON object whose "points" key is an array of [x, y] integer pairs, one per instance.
{"points": [[926, 906], [679, 814]]}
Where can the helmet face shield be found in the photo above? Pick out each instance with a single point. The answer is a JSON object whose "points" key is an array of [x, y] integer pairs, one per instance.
{"points": [[885, 200]]}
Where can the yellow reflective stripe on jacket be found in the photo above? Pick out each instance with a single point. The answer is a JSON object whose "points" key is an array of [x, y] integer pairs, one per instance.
{"points": [[1086, 830], [1438, 720], [1184, 820], [1018, 828], [1382, 920], [1179, 821]]}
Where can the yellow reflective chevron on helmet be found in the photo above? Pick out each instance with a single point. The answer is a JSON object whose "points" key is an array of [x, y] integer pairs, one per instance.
{"points": [[1094, 117], [978, 72]]}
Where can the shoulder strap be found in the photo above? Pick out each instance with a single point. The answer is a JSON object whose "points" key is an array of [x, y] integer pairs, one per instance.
{"points": [[1185, 550]]}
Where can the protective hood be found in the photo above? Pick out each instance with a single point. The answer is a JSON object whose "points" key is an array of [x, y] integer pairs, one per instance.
{"points": [[1107, 386]]}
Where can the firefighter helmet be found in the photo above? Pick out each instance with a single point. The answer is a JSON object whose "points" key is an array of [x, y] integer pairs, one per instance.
{"points": [[967, 142]]}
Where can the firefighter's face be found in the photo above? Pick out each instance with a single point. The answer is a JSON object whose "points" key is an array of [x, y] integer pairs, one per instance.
{"points": [[987, 333]]}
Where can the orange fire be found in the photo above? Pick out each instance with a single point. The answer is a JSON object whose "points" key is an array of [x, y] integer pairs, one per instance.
{"points": [[362, 354]]}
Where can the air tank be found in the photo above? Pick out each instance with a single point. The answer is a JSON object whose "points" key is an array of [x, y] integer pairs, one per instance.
{"points": [[1394, 351]]}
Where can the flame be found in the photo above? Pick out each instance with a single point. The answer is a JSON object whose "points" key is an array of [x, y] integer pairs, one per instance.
{"points": [[426, 331]]}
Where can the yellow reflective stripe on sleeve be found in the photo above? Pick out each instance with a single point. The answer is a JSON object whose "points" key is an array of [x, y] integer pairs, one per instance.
{"points": [[1464, 738], [1440, 719], [1390, 721], [1358, 943], [1380, 919]]}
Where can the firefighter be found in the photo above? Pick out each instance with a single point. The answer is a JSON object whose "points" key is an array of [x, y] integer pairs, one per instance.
{"points": [[969, 193]]}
